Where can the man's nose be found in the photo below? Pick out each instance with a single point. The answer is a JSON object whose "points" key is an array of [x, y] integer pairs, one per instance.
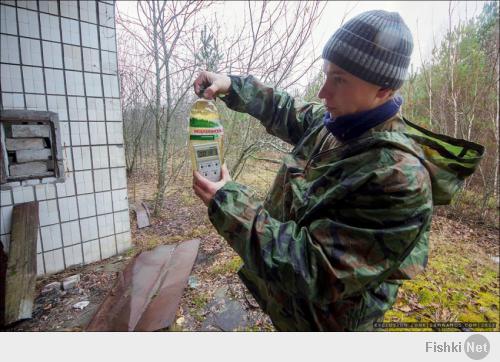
{"points": [[321, 92], [324, 93]]}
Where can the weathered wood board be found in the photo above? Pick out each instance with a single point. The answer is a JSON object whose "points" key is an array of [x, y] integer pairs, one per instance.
{"points": [[3, 273], [21, 263]]}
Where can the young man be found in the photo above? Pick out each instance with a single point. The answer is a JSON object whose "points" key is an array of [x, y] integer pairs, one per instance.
{"points": [[348, 216]]}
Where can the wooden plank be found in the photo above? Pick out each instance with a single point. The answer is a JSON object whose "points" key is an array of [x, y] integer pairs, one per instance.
{"points": [[3, 165], [33, 155], [21, 264], [28, 169], [3, 274], [30, 130], [142, 213], [14, 144]]}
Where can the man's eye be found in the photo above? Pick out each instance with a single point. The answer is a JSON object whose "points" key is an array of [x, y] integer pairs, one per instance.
{"points": [[338, 80]]}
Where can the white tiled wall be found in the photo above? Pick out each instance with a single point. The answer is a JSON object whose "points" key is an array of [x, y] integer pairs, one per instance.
{"points": [[31, 53], [101, 181], [35, 102], [89, 35], [91, 60], [93, 85], [61, 56], [77, 108], [10, 49], [48, 6], [28, 23], [11, 78], [96, 109], [71, 233], [8, 20], [72, 57], [88, 11], [69, 9], [74, 83], [70, 31], [13, 100], [52, 54], [50, 27], [54, 81]]}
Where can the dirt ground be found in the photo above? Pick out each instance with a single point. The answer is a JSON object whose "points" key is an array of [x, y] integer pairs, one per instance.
{"points": [[460, 284]]}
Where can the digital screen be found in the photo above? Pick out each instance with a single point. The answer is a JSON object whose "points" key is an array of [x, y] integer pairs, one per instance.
{"points": [[209, 152]]}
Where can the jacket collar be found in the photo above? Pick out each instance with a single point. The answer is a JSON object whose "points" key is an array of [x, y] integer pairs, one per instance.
{"points": [[351, 126]]}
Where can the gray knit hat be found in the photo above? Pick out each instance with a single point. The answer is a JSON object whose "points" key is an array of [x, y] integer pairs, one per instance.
{"points": [[375, 46]]}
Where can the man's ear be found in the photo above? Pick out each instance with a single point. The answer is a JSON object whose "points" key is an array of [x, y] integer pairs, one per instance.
{"points": [[385, 93]]}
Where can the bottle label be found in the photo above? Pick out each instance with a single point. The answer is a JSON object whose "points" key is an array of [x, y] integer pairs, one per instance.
{"points": [[202, 123], [204, 130]]}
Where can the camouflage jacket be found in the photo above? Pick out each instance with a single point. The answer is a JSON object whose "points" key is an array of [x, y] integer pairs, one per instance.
{"points": [[343, 224]]}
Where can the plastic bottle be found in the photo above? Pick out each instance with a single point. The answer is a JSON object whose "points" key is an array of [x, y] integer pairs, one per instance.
{"points": [[206, 139]]}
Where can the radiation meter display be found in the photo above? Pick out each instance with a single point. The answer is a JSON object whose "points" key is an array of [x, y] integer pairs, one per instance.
{"points": [[207, 161], [207, 153]]}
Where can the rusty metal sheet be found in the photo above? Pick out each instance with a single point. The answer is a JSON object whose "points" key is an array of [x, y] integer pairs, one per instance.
{"points": [[160, 312], [147, 292]]}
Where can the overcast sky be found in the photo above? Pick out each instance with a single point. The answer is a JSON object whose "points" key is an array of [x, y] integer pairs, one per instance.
{"points": [[427, 20]]}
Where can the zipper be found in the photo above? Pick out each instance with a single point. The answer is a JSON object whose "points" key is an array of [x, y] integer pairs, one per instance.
{"points": [[312, 158]]}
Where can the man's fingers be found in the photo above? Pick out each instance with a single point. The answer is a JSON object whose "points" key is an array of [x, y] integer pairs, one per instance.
{"points": [[225, 173], [197, 190], [203, 195], [210, 92], [198, 83], [201, 82], [196, 86], [201, 181]]}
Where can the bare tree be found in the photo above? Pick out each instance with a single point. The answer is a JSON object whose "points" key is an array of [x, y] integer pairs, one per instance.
{"points": [[158, 28], [271, 44]]}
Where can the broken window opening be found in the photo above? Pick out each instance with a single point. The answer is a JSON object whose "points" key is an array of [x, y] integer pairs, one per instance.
{"points": [[30, 146]]}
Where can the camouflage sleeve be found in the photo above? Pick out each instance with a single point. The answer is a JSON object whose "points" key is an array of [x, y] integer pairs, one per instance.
{"points": [[281, 115], [364, 227]]}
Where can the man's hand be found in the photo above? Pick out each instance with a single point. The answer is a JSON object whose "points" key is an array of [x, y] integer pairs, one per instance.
{"points": [[206, 189], [209, 85]]}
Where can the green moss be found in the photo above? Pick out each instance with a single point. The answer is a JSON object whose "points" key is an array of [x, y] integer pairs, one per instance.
{"points": [[489, 277], [457, 280], [470, 315], [198, 303], [426, 296], [230, 266]]}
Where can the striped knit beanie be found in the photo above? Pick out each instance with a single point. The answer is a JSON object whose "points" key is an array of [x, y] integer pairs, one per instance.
{"points": [[375, 46]]}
